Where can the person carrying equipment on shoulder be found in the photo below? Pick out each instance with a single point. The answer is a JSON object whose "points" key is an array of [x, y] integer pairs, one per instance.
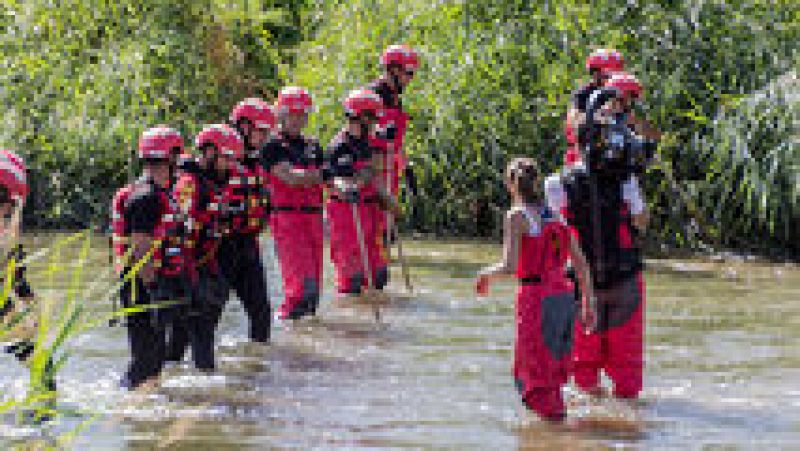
{"points": [[294, 162], [600, 64], [150, 238], [353, 162], [602, 201], [536, 245]]}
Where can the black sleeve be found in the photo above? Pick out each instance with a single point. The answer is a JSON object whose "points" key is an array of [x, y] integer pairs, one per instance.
{"points": [[143, 212], [318, 158], [272, 153], [581, 96], [384, 92], [340, 160]]}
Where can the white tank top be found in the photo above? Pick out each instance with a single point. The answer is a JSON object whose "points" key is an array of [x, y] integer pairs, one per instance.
{"points": [[532, 217]]}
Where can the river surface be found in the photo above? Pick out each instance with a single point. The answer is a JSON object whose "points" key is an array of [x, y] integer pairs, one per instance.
{"points": [[723, 368]]}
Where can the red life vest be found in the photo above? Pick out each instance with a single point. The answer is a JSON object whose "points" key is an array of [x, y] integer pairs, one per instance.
{"points": [[203, 222], [544, 250], [169, 257], [233, 202], [168, 235], [289, 198], [392, 113], [257, 199]]}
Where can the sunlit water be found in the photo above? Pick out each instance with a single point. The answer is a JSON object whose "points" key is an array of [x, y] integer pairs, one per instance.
{"points": [[722, 369]]}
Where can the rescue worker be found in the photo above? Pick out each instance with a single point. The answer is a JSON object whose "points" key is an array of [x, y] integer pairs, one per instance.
{"points": [[294, 163], [17, 313], [608, 229], [199, 191], [240, 253], [629, 85], [146, 230], [354, 163], [399, 63], [536, 244], [600, 64]]}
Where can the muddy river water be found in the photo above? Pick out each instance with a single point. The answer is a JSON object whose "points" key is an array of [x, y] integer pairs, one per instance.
{"points": [[723, 368]]}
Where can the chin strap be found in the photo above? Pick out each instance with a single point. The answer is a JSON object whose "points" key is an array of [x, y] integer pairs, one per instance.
{"points": [[398, 88]]}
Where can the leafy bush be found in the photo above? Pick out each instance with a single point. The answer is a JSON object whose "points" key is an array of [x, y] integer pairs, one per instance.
{"points": [[82, 79], [496, 78]]}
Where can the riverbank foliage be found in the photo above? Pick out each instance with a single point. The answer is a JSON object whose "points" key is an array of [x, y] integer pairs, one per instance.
{"points": [[82, 79]]}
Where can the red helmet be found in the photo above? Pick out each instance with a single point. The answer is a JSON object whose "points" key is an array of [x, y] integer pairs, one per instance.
{"points": [[605, 60], [159, 143], [13, 173], [626, 83], [293, 99], [401, 55], [255, 110], [224, 139], [360, 101]]}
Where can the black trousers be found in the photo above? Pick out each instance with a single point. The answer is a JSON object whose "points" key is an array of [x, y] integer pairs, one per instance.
{"points": [[146, 334], [240, 262], [195, 323]]}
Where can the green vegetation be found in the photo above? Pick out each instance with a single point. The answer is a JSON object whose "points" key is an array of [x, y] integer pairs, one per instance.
{"points": [[496, 78], [83, 78]]}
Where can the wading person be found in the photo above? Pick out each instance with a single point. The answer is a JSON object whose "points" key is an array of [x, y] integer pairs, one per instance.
{"points": [[536, 245], [294, 163], [148, 234], [357, 193], [240, 253], [600, 64], [601, 199], [18, 312], [399, 63], [200, 193]]}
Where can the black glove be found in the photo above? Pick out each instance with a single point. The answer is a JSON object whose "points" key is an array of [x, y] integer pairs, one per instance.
{"points": [[327, 173], [411, 180]]}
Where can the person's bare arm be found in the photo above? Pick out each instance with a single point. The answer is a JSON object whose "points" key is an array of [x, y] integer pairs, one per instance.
{"points": [[372, 172], [575, 118], [512, 227], [588, 303], [643, 127], [641, 220], [632, 194]]}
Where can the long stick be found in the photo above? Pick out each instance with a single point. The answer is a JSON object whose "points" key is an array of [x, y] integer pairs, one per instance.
{"points": [[403, 266], [365, 259], [389, 219], [391, 224]]}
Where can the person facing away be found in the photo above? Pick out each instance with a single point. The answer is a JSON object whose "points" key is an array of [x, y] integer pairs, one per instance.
{"points": [[536, 246]]}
